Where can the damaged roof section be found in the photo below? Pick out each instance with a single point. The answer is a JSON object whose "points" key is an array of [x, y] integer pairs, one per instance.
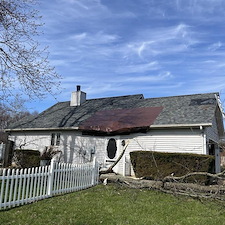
{"points": [[121, 120], [121, 114], [62, 115], [203, 101]]}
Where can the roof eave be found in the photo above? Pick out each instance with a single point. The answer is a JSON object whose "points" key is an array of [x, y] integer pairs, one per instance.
{"points": [[77, 128], [181, 125], [41, 129]]}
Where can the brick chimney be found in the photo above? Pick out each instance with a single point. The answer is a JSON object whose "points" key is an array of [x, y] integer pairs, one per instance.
{"points": [[77, 97]]}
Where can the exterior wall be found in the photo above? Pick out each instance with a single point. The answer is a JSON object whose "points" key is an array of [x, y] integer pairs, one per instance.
{"points": [[182, 140], [212, 132], [171, 140], [75, 147], [31, 140], [81, 148], [78, 148]]}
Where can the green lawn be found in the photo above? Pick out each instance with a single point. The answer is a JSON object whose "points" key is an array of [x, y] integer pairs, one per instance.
{"points": [[113, 204]]}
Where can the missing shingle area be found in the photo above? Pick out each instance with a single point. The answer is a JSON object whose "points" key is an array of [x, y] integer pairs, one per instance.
{"points": [[202, 101]]}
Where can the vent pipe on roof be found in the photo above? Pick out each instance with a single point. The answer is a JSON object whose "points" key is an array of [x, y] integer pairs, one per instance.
{"points": [[77, 97]]}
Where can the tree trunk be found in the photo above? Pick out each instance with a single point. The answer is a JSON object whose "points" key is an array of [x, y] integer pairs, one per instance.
{"points": [[110, 169]]}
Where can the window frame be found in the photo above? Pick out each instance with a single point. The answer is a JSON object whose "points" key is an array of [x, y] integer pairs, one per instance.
{"points": [[55, 138], [111, 154]]}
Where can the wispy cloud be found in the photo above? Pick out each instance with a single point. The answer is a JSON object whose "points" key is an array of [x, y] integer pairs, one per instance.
{"points": [[79, 37], [200, 6], [163, 41], [138, 68], [215, 46], [206, 85], [136, 46], [151, 78], [94, 38]]}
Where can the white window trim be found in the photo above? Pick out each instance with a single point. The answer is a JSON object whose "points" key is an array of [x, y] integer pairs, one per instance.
{"points": [[57, 138]]}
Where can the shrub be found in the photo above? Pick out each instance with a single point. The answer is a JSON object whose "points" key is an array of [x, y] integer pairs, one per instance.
{"points": [[48, 153], [157, 165], [25, 158]]}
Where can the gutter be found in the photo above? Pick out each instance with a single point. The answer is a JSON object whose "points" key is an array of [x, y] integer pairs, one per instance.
{"points": [[77, 128], [42, 129], [181, 125]]}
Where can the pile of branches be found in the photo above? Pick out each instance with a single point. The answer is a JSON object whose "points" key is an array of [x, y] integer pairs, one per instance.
{"points": [[176, 185], [171, 184]]}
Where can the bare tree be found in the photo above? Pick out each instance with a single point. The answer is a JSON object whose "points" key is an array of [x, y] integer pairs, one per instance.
{"points": [[9, 115], [24, 65]]}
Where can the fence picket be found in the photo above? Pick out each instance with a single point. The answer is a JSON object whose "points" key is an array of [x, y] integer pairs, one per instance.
{"points": [[69, 178], [41, 181], [2, 187], [45, 180], [61, 177], [31, 183], [73, 186], [15, 188], [35, 183], [22, 186], [27, 185], [78, 180], [7, 187], [58, 177], [11, 181], [24, 172]]}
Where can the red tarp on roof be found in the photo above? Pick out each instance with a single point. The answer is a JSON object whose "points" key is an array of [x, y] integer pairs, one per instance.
{"points": [[121, 120]]}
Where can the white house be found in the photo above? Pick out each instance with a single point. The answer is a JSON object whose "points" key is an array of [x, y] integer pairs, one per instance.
{"points": [[83, 128]]}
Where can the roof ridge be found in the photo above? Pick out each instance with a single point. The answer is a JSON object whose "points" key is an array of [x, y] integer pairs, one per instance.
{"points": [[121, 96], [141, 95], [175, 96]]}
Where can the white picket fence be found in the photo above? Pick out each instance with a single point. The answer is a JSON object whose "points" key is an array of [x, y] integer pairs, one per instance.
{"points": [[22, 186]]}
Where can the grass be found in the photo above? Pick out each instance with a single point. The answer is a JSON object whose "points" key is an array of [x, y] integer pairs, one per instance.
{"points": [[113, 204]]}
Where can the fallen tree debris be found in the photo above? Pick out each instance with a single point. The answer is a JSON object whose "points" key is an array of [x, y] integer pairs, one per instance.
{"points": [[110, 169], [172, 185]]}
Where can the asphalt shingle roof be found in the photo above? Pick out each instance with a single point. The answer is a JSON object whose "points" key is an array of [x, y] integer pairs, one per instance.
{"points": [[186, 109]]}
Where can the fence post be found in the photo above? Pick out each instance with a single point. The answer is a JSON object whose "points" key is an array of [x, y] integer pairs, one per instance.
{"points": [[2, 148], [50, 178], [8, 153], [93, 172]]}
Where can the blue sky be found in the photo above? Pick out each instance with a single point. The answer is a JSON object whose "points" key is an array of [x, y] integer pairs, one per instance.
{"points": [[121, 47]]}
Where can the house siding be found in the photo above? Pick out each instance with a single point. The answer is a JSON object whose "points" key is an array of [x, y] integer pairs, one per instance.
{"points": [[78, 148], [31, 140], [212, 132], [75, 147], [183, 140], [179, 140]]}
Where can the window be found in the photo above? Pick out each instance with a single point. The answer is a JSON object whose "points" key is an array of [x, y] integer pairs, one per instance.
{"points": [[55, 139], [211, 149], [111, 148]]}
